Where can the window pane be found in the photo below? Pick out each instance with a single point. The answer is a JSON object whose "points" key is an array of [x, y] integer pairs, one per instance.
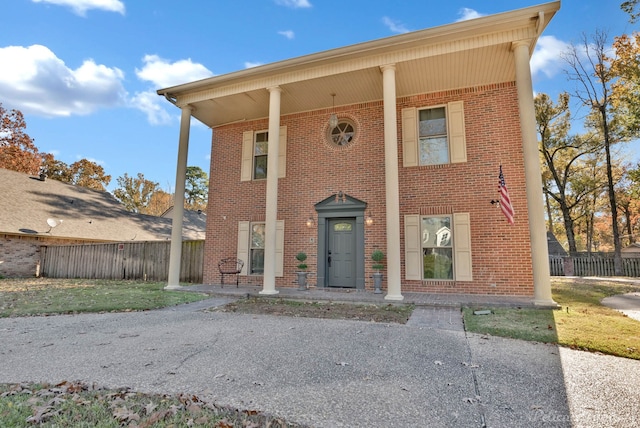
{"points": [[262, 137], [433, 122], [261, 148], [257, 236], [436, 232], [342, 227], [342, 134], [438, 263], [257, 261], [260, 167], [434, 151]]}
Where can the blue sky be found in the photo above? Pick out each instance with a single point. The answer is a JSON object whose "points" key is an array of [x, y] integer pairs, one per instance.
{"points": [[85, 72]]}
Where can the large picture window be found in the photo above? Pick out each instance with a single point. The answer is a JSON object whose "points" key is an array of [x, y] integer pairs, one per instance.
{"points": [[437, 247], [433, 139], [256, 264]]}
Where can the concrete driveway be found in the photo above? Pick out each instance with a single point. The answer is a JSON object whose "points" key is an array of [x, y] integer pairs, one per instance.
{"points": [[329, 373]]}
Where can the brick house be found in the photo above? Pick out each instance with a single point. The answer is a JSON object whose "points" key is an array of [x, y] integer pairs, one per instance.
{"points": [[36, 212], [393, 144]]}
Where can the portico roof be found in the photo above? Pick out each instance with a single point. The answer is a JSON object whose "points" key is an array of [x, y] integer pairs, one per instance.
{"points": [[459, 55]]}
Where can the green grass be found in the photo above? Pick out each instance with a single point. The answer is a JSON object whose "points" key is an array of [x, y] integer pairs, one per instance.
{"points": [[43, 296], [581, 323]]}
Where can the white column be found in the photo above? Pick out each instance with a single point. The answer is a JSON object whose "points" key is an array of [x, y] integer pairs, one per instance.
{"points": [[178, 201], [392, 188], [533, 177], [271, 218]]}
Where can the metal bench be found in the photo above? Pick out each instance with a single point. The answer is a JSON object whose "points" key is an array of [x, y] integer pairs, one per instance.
{"points": [[230, 266]]}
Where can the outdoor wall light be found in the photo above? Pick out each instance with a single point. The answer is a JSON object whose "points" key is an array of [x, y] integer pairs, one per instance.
{"points": [[368, 220], [310, 222]]}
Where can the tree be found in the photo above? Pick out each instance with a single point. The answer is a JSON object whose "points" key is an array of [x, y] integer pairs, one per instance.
{"points": [[561, 162], [17, 150], [625, 65], [89, 174], [196, 188], [630, 7], [135, 193], [159, 202], [590, 68], [55, 169]]}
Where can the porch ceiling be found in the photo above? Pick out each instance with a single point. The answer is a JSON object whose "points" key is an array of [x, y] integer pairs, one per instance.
{"points": [[454, 56]]}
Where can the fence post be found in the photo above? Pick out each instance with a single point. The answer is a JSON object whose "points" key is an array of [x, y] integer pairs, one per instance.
{"points": [[567, 266]]}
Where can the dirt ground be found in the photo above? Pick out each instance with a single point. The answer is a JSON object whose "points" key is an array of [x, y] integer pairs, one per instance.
{"points": [[375, 313]]}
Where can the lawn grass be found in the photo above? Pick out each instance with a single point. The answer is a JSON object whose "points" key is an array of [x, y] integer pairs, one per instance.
{"points": [[581, 323], [44, 296]]}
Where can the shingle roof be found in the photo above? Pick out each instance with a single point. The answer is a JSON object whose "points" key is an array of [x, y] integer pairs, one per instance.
{"points": [[26, 203]]}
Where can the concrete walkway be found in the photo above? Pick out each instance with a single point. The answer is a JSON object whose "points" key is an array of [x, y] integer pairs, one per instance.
{"points": [[329, 373]]}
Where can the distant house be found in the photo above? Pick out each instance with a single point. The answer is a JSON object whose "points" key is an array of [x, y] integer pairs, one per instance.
{"points": [[35, 212], [194, 223], [632, 250], [392, 144], [555, 248]]}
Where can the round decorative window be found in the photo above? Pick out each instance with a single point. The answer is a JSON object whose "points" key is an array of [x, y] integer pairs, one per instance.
{"points": [[343, 134]]}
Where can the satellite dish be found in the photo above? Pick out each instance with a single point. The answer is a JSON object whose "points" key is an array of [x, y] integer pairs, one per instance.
{"points": [[52, 223]]}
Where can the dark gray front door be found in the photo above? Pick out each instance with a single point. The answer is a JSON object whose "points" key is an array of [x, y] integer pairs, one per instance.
{"points": [[341, 253]]}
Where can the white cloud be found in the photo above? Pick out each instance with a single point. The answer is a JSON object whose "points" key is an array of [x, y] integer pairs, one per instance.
{"points": [[249, 64], [164, 74], [288, 34], [394, 26], [81, 7], [90, 159], [546, 57], [40, 83], [151, 104], [294, 3], [466, 14]]}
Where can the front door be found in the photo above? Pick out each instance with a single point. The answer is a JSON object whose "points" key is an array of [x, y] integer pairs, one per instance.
{"points": [[341, 253]]}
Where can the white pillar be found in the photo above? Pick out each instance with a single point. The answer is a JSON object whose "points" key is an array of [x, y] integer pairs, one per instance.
{"points": [[392, 188], [271, 218], [175, 255], [537, 227]]}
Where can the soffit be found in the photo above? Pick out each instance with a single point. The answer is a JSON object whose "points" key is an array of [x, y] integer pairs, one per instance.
{"points": [[455, 56]]}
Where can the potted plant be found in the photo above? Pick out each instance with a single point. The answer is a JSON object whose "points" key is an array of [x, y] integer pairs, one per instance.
{"points": [[302, 270], [377, 256]]}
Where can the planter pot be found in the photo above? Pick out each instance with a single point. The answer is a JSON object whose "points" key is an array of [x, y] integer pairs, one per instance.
{"points": [[302, 280], [377, 283]]}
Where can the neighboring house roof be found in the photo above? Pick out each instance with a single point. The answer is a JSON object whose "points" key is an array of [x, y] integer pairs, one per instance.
{"points": [[632, 248], [459, 55], [27, 203], [555, 248], [194, 223]]}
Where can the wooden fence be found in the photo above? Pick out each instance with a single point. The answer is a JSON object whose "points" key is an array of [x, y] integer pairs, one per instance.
{"points": [[144, 260], [600, 265]]}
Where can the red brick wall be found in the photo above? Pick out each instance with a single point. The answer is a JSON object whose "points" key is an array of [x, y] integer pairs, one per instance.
{"points": [[315, 171]]}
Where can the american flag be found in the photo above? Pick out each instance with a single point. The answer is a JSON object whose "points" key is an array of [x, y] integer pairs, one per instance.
{"points": [[505, 201]]}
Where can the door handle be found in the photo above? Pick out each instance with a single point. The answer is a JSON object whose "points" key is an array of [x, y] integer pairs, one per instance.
{"points": [[329, 261]]}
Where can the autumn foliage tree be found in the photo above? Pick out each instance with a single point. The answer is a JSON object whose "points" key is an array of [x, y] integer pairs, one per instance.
{"points": [[135, 192], [17, 150]]}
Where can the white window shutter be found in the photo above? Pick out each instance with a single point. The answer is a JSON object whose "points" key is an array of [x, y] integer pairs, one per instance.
{"points": [[280, 248], [412, 248], [243, 244], [409, 137], [462, 246], [282, 153], [457, 137], [246, 165]]}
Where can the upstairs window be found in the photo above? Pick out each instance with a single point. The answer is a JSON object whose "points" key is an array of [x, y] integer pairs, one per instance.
{"points": [[260, 155], [433, 141]]}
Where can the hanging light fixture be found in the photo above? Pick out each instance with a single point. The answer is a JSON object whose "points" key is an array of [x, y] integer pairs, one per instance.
{"points": [[333, 119]]}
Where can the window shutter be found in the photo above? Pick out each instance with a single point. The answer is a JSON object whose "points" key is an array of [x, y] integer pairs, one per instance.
{"points": [[462, 246], [457, 138], [282, 153], [246, 166], [243, 244], [279, 248], [412, 248], [409, 137]]}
